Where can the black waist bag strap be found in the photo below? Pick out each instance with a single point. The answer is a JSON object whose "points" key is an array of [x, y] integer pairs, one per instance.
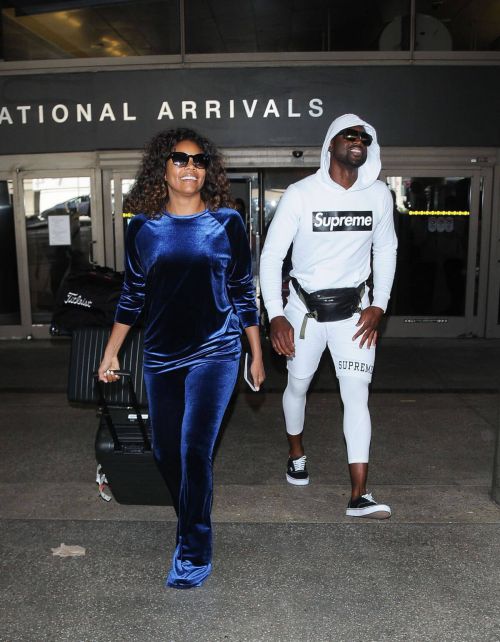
{"points": [[334, 304]]}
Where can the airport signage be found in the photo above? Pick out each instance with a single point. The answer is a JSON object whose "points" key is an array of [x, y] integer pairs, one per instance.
{"points": [[248, 107]]}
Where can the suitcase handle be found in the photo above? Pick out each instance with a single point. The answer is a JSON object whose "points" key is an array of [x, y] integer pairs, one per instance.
{"points": [[135, 405]]}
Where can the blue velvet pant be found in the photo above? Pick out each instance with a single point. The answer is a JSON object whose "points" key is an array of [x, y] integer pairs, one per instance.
{"points": [[186, 407]]}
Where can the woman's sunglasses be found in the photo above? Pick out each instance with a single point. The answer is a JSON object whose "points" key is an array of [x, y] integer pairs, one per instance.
{"points": [[352, 134], [181, 159]]}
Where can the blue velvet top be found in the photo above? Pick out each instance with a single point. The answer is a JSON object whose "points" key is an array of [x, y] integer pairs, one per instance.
{"points": [[193, 277]]}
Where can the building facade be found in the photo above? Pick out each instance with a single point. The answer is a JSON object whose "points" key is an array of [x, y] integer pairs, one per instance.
{"points": [[83, 87]]}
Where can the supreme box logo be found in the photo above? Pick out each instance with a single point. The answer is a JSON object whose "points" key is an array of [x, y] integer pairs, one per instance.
{"points": [[342, 221]]}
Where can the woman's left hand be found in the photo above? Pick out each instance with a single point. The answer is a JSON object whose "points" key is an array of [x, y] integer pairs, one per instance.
{"points": [[257, 371]]}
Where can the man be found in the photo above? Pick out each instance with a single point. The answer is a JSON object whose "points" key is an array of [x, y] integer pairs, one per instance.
{"points": [[338, 220]]}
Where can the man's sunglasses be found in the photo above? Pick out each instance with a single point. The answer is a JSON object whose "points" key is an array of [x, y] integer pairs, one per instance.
{"points": [[181, 159], [352, 134]]}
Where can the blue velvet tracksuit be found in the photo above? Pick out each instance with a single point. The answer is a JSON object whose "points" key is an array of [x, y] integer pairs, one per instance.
{"points": [[192, 276]]}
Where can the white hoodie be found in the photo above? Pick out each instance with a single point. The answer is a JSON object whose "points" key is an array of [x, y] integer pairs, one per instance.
{"points": [[334, 230]]}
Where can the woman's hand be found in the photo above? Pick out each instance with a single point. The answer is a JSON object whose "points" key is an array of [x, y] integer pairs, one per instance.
{"points": [[110, 362], [257, 368], [107, 368], [257, 371]]}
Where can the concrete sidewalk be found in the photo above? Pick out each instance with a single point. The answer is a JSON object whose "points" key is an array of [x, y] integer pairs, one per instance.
{"points": [[288, 563], [426, 365]]}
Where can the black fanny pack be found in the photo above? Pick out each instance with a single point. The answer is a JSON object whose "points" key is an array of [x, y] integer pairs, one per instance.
{"points": [[335, 304]]}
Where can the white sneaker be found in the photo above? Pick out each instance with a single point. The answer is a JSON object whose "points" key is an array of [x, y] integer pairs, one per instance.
{"points": [[366, 506], [296, 471]]}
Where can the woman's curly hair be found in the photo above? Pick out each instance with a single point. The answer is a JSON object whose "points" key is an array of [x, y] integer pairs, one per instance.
{"points": [[149, 193]]}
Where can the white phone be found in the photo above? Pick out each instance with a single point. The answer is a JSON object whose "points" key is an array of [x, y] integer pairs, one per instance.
{"points": [[247, 375]]}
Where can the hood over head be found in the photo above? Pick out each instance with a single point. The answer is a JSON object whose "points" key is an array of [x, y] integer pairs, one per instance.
{"points": [[369, 171]]}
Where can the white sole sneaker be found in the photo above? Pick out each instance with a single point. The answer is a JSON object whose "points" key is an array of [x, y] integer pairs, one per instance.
{"points": [[380, 511], [297, 482]]}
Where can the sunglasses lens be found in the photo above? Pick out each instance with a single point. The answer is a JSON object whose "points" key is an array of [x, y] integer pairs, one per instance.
{"points": [[366, 139], [352, 134], [181, 159], [200, 161]]}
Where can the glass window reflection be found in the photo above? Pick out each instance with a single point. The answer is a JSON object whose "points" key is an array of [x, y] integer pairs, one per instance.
{"points": [[59, 236], [220, 26], [111, 29], [473, 25], [275, 183], [431, 216], [117, 28]]}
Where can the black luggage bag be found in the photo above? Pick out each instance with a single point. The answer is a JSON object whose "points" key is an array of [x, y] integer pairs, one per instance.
{"points": [[86, 297], [123, 439]]}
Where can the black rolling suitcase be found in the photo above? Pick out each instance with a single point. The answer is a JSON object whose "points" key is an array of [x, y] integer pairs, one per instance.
{"points": [[123, 439]]}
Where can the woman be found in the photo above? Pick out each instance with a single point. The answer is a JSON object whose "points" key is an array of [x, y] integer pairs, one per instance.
{"points": [[188, 266]]}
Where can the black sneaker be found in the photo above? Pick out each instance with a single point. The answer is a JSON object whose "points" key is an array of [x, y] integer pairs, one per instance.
{"points": [[296, 471], [366, 506]]}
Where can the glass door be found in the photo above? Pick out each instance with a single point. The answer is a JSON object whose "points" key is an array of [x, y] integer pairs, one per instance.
{"points": [[62, 235], [244, 190], [443, 218], [245, 193], [441, 275], [116, 186]]}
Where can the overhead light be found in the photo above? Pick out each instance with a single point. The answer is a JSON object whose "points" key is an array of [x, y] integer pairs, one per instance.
{"points": [[68, 18]]}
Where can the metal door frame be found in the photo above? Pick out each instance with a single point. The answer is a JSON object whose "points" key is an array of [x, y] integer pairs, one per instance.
{"points": [[493, 295], [252, 222], [23, 328], [112, 197]]}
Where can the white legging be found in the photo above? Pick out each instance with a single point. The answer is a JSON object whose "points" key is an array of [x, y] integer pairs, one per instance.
{"points": [[357, 424]]}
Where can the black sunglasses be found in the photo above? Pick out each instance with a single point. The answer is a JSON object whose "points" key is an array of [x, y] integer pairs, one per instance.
{"points": [[352, 134], [181, 159]]}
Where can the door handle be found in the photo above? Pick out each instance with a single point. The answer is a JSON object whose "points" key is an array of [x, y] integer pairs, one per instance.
{"points": [[91, 253]]}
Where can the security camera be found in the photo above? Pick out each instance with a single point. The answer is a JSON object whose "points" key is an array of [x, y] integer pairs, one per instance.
{"points": [[297, 153]]}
